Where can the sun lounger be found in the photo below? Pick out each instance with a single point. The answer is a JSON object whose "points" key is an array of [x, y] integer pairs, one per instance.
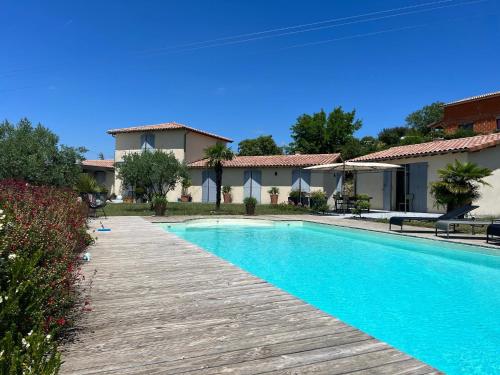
{"points": [[446, 225], [492, 230], [454, 214]]}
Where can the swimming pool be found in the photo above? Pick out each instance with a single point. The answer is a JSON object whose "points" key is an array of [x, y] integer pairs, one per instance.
{"points": [[437, 301]]}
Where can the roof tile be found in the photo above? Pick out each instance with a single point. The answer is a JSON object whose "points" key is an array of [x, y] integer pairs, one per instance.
{"points": [[469, 144], [268, 161], [165, 126], [99, 163]]}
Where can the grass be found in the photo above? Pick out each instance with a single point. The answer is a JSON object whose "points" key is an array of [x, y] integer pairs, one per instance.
{"points": [[188, 209]]}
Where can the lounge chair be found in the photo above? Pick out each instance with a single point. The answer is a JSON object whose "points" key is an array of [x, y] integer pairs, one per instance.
{"points": [[95, 204], [454, 214], [446, 225], [492, 230]]}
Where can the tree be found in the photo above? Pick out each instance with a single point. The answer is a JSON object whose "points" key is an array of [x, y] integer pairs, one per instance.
{"points": [[459, 184], [263, 145], [392, 136], [100, 156], [34, 154], [422, 118], [156, 172], [319, 133], [216, 155]]}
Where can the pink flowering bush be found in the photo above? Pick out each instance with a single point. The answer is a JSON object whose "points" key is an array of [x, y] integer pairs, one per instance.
{"points": [[42, 233]]}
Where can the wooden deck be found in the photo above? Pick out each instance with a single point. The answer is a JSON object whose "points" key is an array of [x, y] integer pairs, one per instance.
{"points": [[164, 306]]}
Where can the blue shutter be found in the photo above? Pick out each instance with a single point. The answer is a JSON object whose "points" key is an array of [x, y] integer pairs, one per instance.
{"points": [[387, 192], [338, 183], [150, 141], [204, 186], [256, 184], [143, 141], [212, 187], [208, 187], [295, 179], [247, 181], [306, 180], [417, 186]]}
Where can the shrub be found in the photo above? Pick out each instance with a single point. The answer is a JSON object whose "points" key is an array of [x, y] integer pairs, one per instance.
{"points": [[319, 201], [226, 189], [250, 203], [43, 234], [360, 206]]}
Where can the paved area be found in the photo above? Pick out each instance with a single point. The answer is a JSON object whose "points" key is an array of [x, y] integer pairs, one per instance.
{"points": [[164, 306]]}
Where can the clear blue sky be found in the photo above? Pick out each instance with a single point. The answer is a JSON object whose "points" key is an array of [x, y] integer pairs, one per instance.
{"points": [[82, 67]]}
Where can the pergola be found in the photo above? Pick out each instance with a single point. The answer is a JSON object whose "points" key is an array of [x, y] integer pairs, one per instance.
{"points": [[356, 167]]}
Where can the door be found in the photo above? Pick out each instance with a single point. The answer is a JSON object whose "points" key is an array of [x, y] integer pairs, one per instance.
{"points": [[338, 183], [387, 199], [301, 180], [417, 186], [208, 187], [252, 182]]}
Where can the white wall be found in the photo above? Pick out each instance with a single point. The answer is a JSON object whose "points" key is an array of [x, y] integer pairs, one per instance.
{"points": [[489, 201]]}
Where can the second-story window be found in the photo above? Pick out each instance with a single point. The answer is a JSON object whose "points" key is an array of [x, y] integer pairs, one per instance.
{"points": [[498, 123], [467, 126], [147, 141]]}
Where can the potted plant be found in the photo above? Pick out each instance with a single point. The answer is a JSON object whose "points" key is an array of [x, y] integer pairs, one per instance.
{"points": [[319, 201], [226, 192], [185, 185], [160, 205], [274, 193], [250, 203]]}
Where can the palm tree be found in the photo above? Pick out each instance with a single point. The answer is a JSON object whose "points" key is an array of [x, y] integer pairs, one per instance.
{"points": [[459, 184], [216, 155]]}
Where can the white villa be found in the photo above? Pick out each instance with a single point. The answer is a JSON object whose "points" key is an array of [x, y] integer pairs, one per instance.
{"points": [[247, 175]]}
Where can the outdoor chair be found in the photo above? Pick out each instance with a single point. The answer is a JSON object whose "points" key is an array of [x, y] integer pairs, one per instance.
{"points": [[454, 214], [95, 203], [493, 230], [447, 225]]}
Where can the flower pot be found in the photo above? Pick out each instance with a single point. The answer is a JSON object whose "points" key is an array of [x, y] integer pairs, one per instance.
{"points": [[274, 198], [250, 209], [228, 198], [160, 209], [185, 198]]}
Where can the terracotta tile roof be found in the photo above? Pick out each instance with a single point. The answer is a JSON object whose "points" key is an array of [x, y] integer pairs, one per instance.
{"points": [[472, 98], [305, 160], [165, 126], [99, 163], [469, 144]]}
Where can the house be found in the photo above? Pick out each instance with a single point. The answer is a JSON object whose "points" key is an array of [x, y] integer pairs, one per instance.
{"points": [[247, 175], [421, 163], [253, 176], [103, 171], [480, 114]]}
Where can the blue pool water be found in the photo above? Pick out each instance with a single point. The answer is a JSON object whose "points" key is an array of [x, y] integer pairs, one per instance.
{"points": [[437, 301]]}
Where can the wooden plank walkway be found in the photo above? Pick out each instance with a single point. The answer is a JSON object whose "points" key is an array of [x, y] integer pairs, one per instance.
{"points": [[164, 306]]}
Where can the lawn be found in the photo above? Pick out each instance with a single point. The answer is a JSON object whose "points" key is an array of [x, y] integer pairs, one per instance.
{"points": [[179, 208]]}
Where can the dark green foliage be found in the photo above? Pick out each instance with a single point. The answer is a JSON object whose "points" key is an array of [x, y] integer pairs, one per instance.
{"points": [[427, 115], [263, 145], [33, 154], [392, 136], [318, 201], [459, 184], [319, 133], [156, 172]]}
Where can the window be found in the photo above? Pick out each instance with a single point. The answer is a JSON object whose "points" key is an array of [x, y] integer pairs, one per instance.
{"points": [[468, 126], [498, 123], [100, 177], [147, 141], [301, 180]]}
